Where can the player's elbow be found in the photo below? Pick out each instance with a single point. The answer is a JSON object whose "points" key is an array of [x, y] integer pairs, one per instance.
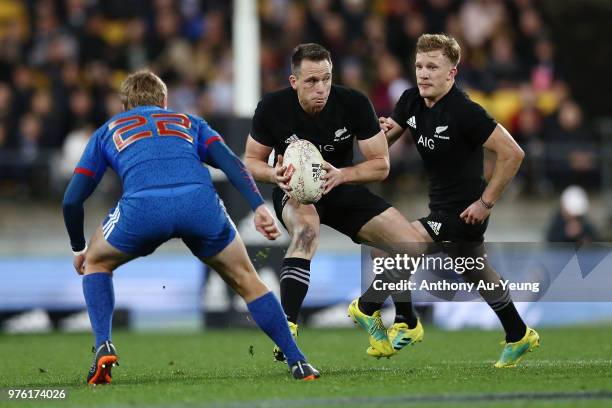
{"points": [[384, 168], [249, 162], [70, 203], [517, 154]]}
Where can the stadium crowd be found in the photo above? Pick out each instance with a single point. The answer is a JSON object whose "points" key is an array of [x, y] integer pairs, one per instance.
{"points": [[62, 60]]}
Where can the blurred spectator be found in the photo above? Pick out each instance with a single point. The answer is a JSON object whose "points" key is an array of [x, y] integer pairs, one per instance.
{"points": [[545, 70], [479, 19], [23, 83], [503, 69], [80, 109], [570, 222], [389, 85], [530, 29], [526, 127], [571, 150], [351, 75], [42, 107]]}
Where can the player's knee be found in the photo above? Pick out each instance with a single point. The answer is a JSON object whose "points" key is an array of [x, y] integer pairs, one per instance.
{"points": [[95, 263], [306, 237]]}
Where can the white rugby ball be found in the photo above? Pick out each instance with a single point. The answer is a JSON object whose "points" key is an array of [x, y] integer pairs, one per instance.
{"points": [[305, 167]]}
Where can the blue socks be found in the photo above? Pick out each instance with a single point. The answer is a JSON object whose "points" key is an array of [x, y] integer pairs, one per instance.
{"points": [[269, 316], [100, 300]]}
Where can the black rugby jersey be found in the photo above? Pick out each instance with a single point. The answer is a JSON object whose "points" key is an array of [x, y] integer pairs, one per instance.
{"points": [[449, 137], [348, 114]]}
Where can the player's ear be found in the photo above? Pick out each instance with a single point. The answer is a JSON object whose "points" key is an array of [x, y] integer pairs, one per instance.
{"points": [[293, 81], [452, 73]]}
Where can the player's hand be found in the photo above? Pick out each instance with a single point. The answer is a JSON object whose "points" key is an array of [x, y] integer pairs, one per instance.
{"points": [[386, 124], [333, 177], [475, 214], [79, 264], [265, 223], [281, 178]]}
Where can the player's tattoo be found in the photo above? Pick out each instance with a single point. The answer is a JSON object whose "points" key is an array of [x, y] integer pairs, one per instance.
{"points": [[305, 239]]}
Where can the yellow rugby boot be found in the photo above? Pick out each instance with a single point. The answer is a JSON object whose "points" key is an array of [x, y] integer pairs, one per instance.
{"points": [[374, 326]]}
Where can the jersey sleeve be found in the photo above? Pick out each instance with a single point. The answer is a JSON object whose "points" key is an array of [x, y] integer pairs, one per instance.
{"points": [[93, 162], [260, 130], [206, 136], [474, 122], [400, 111], [365, 122]]}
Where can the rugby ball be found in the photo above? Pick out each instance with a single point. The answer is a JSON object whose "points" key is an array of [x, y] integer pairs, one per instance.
{"points": [[305, 167]]}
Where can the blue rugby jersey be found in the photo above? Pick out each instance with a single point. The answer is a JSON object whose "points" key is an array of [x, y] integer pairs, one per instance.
{"points": [[150, 148], [153, 150]]}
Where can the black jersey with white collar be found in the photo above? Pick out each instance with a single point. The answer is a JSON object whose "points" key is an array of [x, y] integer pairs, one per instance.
{"points": [[348, 114], [449, 137]]}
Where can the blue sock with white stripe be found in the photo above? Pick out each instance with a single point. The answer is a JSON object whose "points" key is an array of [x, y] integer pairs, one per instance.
{"points": [[100, 300], [269, 316]]}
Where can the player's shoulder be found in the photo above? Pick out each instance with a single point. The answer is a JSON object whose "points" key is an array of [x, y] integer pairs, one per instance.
{"points": [[409, 96], [459, 98], [348, 95], [278, 99]]}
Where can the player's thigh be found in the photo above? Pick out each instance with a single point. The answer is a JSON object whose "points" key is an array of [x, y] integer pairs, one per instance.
{"points": [[102, 256], [422, 231], [391, 232]]}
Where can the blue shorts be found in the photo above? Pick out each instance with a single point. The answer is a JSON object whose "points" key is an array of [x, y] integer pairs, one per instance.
{"points": [[195, 213]]}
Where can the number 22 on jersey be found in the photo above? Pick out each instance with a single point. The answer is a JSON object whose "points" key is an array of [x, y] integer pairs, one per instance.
{"points": [[181, 125]]}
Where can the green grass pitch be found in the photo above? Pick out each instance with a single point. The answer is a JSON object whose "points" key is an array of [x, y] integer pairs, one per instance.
{"points": [[573, 367]]}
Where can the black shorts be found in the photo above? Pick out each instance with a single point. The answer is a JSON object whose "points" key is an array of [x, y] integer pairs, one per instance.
{"points": [[447, 226], [346, 208]]}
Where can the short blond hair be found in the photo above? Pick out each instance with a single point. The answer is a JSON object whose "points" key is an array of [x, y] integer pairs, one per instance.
{"points": [[434, 42], [142, 88]]}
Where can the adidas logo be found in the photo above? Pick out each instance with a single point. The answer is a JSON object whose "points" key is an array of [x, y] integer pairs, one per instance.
{"points": [[292, 138], [411, 122], [435, 226], [316, 171]]}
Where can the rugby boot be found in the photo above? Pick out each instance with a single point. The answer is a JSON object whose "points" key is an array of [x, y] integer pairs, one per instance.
{"points": [[514, 352], [374, 326], [104, 360]]}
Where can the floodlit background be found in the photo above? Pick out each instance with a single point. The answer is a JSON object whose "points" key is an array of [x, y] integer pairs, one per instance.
{"points": [[539, 67]]}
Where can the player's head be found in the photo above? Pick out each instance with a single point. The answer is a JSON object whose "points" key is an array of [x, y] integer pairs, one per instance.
{"points": [[437, 56], [143, 88], [311, 76]]}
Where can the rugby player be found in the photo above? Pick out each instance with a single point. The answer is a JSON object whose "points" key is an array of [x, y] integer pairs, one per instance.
{"points": [[331, 117], [167, 193], [450, 132]]}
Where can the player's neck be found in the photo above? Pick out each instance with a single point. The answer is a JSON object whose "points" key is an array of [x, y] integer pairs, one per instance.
{"points": [[430, 102]]}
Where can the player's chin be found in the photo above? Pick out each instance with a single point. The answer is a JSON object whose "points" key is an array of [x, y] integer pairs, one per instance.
{"points": [[424, 91]]}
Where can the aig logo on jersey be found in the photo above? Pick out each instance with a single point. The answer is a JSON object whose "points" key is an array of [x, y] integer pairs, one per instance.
{"points": [[429, 141]]}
